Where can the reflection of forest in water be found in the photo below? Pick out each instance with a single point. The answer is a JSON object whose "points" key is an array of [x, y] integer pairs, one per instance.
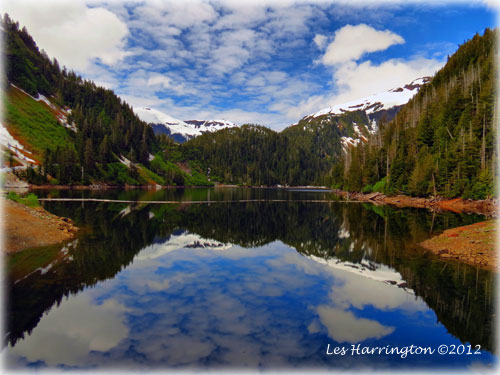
{"points": [[460, 295]]}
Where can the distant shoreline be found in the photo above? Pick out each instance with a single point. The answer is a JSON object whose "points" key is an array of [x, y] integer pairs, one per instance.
{"points": [[488, 207]]}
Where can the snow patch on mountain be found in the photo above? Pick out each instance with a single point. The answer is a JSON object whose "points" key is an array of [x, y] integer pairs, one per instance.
{"points": [[377, 102], [368, 269], [60, 113], [187, 129], [153, 116], [9, 142]]}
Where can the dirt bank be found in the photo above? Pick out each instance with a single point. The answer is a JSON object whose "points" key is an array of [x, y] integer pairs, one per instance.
{"points": [[473, 244], [459, 205], [25, 227]]}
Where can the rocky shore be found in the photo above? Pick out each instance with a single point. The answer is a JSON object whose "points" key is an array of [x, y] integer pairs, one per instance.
{"points": [[473, 244], [25, 227], [485, 207]]}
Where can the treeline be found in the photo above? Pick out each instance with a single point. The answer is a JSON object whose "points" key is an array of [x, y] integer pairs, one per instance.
{"points": [[442, 141], [256, 155]]}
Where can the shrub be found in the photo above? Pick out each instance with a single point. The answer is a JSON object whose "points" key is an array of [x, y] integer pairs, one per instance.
{"points": [[367, 189], [31, 200], [380, 186]]}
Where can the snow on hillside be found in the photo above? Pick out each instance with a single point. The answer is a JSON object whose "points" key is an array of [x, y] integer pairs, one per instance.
{"points": [[386, 103], [60, 113], [367, 269], [9, 142], [187, 129], [153, 116], [377, 102]]}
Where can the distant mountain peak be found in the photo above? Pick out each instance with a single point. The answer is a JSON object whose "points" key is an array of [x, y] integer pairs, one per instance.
{"points": [[179, 130]]}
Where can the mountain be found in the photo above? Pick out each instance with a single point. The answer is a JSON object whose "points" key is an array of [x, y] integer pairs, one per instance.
{"points": [[441, 142], [375, 104], [362, 116], [180, 131]]}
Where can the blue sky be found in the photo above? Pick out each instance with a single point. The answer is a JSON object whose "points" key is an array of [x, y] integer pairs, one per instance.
{"points": [[265, 62]]}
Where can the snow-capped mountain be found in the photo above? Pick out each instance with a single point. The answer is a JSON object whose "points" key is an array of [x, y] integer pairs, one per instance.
{"points": [[357, 119], [179, 130], [377, 102]]}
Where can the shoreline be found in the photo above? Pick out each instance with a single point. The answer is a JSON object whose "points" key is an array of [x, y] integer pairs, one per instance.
{"points": [[472, 244], [488, 208], [28, 227]]}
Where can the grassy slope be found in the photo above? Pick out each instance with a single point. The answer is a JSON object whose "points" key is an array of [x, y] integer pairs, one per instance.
{"points": [[32, 123]]}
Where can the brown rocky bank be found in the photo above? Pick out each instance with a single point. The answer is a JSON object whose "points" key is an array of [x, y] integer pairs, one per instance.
{"points": [[25, 227], [473, 244], [486, 207]]}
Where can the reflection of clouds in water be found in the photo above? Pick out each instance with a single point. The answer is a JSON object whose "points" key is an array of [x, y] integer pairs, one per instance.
{"points": [[230, 313], [359, 286], [68, 333], [240, 307], [343, 326]]}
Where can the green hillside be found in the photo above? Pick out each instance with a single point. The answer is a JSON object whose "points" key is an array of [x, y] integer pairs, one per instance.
{"points": [[34, 123]]}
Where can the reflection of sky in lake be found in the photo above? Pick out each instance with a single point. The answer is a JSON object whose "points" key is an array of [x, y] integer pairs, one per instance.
{"points": [[182, 304]]}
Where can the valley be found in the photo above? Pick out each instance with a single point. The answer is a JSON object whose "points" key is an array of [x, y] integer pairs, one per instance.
{"points": [[224, 186]]}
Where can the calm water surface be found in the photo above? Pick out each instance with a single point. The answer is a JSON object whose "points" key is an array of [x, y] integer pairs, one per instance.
{"points": [[258, 285]]}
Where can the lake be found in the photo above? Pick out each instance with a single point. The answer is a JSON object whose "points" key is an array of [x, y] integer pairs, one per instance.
{"points": [[265, 279]]}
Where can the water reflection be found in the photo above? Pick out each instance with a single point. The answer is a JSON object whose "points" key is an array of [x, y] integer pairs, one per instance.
{"points": [[260, 285]]}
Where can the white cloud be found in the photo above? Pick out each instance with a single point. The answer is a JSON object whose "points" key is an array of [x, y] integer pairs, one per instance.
{"points": [[354, 80], [320, 40], [344, 326], [180, 14], [71, 32], [208, 52], [359, 80], [99, 328], [494, 4], [352, 42]]}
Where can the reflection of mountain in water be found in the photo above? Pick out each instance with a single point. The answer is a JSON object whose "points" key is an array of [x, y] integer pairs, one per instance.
{"points": [[368, 269], [374, 241]]}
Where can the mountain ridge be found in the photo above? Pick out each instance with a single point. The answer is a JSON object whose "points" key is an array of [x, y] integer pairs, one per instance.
{"points": [[179, 130]]}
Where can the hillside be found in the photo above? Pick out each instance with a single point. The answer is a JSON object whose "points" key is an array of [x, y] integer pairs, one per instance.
{"points": [[359, 118], [442, 141], [304, 153]]}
